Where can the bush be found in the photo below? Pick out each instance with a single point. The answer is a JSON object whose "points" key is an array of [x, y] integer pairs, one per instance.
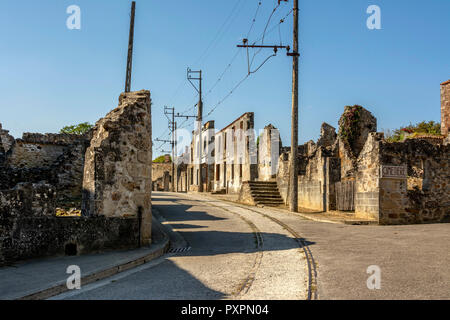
{"points": [[424, 127]]}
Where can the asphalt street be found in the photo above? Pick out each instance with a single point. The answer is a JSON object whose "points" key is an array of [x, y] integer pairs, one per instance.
{"points": [[227, 253], [233, 251]]}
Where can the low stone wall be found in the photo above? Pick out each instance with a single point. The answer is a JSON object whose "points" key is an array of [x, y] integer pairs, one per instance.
{"points": [[32, 237]]}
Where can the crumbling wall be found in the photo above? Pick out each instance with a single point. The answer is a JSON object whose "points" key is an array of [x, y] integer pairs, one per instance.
{"points": [[269, 148], [311, 180], [117, 173], [6, 140], [367, 188], [54, 159], [423, 195], [445, 108], [313, 165], [159, 172], [39, 173], [355, 125], [283, 175]]}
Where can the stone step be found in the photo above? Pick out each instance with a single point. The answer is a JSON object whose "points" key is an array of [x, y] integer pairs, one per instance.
{"points": [[267, 196], [258, 183], [263, 188], [271, 204]]}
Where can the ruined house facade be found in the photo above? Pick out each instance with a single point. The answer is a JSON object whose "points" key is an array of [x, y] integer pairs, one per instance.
{"points": [[358, 172], [351, 170], [269, 150], [106, 173], [201, 161], [235, 155]]}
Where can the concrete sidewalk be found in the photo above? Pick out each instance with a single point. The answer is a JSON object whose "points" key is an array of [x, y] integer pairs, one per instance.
{"points": [[43, 278]]}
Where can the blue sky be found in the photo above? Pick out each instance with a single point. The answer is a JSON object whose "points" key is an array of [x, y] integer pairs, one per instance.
{"points": [[53, 76]]}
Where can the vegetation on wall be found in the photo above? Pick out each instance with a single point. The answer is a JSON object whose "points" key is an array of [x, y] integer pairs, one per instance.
{"points": [[348, 126], [411, 131], [78, 129]]}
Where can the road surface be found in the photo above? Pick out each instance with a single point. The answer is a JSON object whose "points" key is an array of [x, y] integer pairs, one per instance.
{"points": [[231, 251]]}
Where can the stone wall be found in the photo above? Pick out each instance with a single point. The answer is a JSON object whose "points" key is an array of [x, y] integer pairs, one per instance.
{"points": [[355, 125], [117, 173], [162, 176], [55, 159], [269, 149], [423, 196], [367, 188], [445, 108], [32, 237], [283, 175], [6, 140], [314, 181], [40, 173]]}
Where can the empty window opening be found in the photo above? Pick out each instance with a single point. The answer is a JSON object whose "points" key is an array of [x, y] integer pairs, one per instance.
{"points": [[71, 249]]}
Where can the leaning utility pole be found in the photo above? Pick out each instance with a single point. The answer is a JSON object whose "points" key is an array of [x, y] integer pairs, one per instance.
{"points": [[293, 182], [130, 49], [199, 123], [293, 174]]}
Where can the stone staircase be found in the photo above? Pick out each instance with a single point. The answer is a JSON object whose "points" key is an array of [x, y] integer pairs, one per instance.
{"points": [[265, 193]]}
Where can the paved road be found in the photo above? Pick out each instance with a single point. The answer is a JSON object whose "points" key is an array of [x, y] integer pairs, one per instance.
{"points": [[239, 253], [414, 260], [233, 254]]}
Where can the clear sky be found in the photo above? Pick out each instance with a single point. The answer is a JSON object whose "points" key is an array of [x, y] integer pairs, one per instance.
{"points": [[52, 76]]}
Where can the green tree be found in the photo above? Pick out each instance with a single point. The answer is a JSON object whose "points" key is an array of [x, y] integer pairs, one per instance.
{"points": [[162, 159], [79, 129]]}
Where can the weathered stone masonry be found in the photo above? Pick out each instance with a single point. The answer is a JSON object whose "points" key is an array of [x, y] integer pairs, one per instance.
{"points": [[117, 172], [445, 108], [40, 173]]}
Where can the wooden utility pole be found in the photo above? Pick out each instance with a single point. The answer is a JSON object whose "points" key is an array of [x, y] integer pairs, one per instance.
{"points": [[130, 49], [199, 123], [293, 175]]}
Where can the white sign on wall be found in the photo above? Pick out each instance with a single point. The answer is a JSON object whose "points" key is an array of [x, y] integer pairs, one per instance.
{"points": [[397, 172]]}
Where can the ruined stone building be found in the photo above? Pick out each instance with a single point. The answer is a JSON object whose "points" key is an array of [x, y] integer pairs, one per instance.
{"points": [[353, 171], [358, 172], [162, 175], [202, 159], [235, 157], [269, 148], [106, 173]]}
